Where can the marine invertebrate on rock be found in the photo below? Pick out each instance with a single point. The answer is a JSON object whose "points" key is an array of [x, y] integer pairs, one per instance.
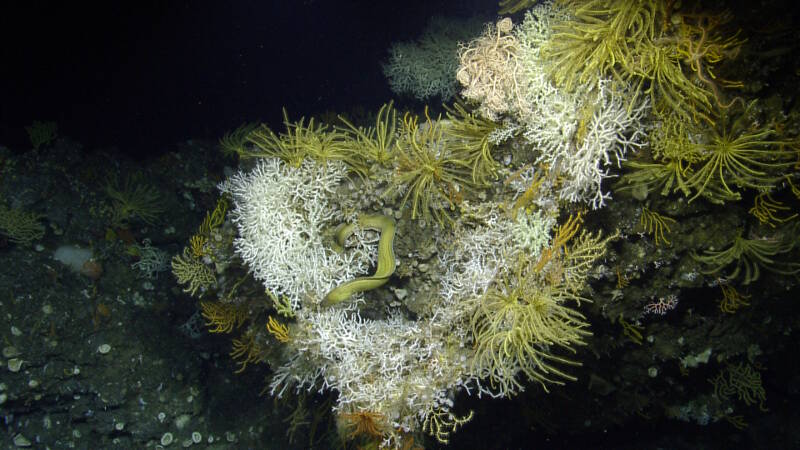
{"points": [[41, 133], [375, 143], [426, 67], [714, 162], [431, 172], [524, 315], [738, 153], [655, 224], [601, 36], [222, 317], [731, 300], [654, 46], [472, 134], [766, 210], [363, 423], [246, 350], [20, 227], [133, 199], [514, 6], [743, 382], [192, 272], [489, 70], [279, 330], [749, 256], [440, 423], [234, 142], [301, 141]]}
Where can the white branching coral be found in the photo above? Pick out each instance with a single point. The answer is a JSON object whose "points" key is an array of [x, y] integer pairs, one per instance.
{"points": [[486, 312], [604, 132], [578, 134], [394, 367], [283, 214], [482, 251]]}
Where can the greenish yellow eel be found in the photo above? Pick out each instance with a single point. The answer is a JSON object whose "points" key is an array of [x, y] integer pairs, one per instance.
{"points": [[386, 259]]}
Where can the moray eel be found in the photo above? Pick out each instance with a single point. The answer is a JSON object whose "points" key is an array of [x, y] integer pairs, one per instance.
{"points": [[386, 259]]}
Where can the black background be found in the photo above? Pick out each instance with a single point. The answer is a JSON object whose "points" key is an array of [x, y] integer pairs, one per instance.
{"points": [[144, 75]]}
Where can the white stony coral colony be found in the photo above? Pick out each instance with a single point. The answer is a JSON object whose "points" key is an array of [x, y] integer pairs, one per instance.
{"points": [[398, 368], [577, 134], [282, 213]]}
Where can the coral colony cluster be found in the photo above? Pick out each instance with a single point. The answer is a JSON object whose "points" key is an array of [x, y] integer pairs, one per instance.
{"points": [[397, 264]]}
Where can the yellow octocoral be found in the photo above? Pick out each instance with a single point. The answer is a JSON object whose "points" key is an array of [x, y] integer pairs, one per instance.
{"points": [[279, 330], [214, 219], [190, 270], [246, 350], [440, 423], [222, 317], [21, 227]]}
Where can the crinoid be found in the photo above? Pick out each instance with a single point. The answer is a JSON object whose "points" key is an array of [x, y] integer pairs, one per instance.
{"points": [[367, 424], [432, 172], [739, 153], [749, 257], [300, 141], [471, 133], [374, 143], [525, 317], [134, 199]]}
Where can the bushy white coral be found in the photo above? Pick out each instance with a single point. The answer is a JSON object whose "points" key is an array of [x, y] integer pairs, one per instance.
{"points": [[395, 367], [578, 134], [282, 214], [482, 252]]}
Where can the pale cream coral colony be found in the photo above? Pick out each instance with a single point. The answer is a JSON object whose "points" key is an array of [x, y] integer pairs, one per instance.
{"points": [[470, 225]]}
